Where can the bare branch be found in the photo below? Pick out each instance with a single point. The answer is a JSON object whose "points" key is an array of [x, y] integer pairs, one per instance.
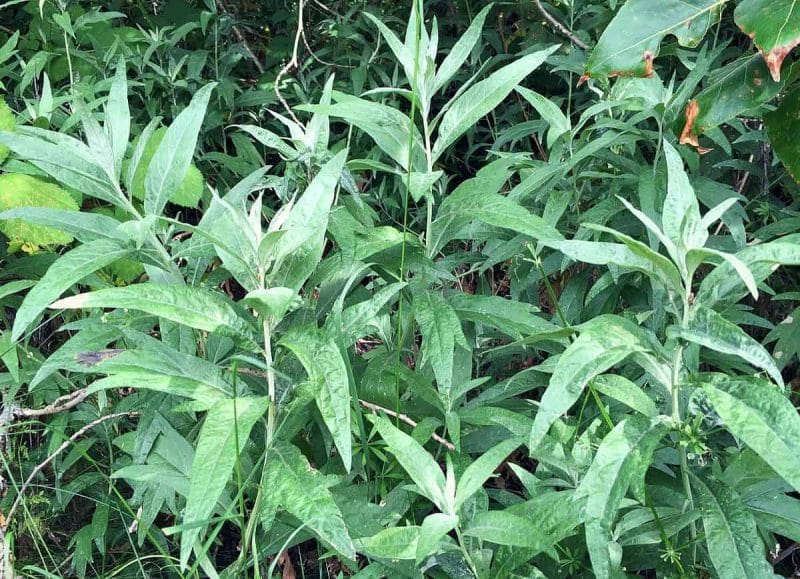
{"points": [[293, 63], [59, 405], [242, 39], [406, 419], [560, 27]]}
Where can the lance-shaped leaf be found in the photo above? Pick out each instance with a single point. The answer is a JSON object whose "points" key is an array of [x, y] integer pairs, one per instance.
{"points": [[632, 40], [783, 126], [392, 543], [505, 528], [416, 461], [326, 370], [623, 390], [460, 51], [66, 271], [299, 249], [171, 161], [228, 422], [293, 484], [603, 342], [680, 217], [118, 115], [733, 542], [762, 417], [388, 127], [621, 461], [84, 226], [441, 331], [709, 329], [774, 26], [194, 307], [479, 471], [517, 319], [481, 98]]}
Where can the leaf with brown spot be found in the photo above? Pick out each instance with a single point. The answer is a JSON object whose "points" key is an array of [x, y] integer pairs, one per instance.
{"points": [[631, 42], [743, 85], [774, 26]]}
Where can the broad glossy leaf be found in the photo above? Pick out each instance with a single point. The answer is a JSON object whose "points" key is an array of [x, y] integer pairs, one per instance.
{"points": [[194, 307], [299, 249], [416, 461], [327, 373], [780, 514], [441, 332], [603, 342], [709, 329], [774, 26], [730, 532], [171, 161], [632, 40], [292, 483], [66, 271], [505, 528], [783, 125], [762, 417], [228, 422], [481, 98], [740, 86], [621, 461]]}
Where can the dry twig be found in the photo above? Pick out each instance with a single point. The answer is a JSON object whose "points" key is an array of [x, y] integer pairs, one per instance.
{"points": [[293, 63], [560, 27], [406, 419]]}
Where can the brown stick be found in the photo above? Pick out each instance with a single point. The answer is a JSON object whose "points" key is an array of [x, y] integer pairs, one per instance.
{"points": [[242, 39], [293, 62], [406, 419], [59, 405], [560, 27]]}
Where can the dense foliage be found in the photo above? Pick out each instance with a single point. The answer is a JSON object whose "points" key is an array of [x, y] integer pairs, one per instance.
{"points": [[399, 289]]}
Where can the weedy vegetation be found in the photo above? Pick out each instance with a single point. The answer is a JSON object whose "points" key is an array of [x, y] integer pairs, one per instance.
{"points": [[358, 288]]}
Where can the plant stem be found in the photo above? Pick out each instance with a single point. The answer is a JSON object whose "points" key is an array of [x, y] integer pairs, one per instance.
{"points": [[270, 382], [466, 554]]}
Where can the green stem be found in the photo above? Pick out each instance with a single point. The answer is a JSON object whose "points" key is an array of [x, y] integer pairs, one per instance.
{"points": [[270, 382], [466, 554]]}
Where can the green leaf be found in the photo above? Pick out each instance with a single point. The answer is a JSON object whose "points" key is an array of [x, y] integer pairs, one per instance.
{"points": [[434, 528], [633, 38], [227, 423], [18, 191], [774, 26], [602, 343], [621, 461], [623, 390], [762, 417], [118, 115], [441, 331], [504, 528], [740, 86], [783, 125], [392, 543], [482, 468], [291, 482], [299, 249], [271, 140], [83, 226], [517, 319], [387, 126], [239, 254], [709, 329], [355, 319], [171, 160], [327, 371], [66, 160], [7, 123], [480, 99], [680, 218], [194, 307], [416, 461], [550, 112], [731, 535], [67, 270], [461, 50]]}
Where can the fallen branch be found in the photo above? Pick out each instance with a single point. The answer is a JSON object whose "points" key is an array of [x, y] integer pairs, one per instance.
{"points": [[406, 419], [59, 405], [560, 27]]}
